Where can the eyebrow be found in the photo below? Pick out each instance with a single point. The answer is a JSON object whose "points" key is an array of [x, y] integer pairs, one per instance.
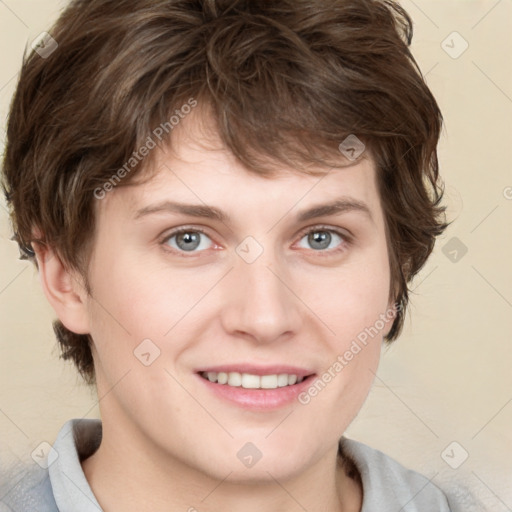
{"points": [[336, 207]]}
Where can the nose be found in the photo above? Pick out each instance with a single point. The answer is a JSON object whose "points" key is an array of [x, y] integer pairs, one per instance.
{"points": [[259, 302]]}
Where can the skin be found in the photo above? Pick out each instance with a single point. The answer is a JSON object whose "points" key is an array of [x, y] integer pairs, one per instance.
{"points": [[295, 304]]}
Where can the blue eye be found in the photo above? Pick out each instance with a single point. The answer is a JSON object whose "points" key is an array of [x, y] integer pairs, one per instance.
{"points": [[320, 239], [187, 240]]}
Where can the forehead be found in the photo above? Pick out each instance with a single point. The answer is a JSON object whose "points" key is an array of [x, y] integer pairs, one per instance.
{"points": [[241, 202], [197, 169]]}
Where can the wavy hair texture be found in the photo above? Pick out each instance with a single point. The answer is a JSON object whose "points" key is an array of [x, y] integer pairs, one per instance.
{"points": [[284, 81]]}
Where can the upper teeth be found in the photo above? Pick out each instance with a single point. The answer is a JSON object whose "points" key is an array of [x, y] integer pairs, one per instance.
{"points": [[250, 381]]}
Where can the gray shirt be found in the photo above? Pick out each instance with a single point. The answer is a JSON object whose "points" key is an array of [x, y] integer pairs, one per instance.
{"points": [[62, 487]]}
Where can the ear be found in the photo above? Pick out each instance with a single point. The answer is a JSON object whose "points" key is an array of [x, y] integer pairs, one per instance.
{"points": [[63, 288]]}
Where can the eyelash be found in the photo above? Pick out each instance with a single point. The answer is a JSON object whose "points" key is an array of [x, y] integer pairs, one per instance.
{"points": [[346, 239]]}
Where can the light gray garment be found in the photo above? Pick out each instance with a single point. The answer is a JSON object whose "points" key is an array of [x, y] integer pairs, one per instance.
{"points": [[387, 485]]}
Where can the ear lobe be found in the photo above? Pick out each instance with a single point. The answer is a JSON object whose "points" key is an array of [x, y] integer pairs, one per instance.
{"points": [[63, 288]]}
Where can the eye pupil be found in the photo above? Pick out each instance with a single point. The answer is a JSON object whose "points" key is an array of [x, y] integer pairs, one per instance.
{"points": [[190, 239], [319, 239]]}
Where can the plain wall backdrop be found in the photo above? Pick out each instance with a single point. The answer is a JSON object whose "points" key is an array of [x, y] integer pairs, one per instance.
{"points": [[444, 388]]}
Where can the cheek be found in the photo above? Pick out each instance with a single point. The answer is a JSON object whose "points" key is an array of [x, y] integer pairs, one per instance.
{"points": [[352, 305], [351, 298], [137, 300], [133, 302]]}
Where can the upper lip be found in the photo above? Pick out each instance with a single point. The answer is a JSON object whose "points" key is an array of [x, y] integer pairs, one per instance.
{"points": [[258, 370]]}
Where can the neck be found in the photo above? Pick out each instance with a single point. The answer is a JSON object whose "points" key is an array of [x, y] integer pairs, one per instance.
{"points": [[126, 462]]}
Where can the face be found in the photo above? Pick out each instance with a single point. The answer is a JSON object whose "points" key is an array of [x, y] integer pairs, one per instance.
{"points": [[249, 287]]}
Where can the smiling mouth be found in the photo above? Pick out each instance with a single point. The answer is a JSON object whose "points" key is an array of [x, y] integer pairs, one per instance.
{"points": [[252, 381]]}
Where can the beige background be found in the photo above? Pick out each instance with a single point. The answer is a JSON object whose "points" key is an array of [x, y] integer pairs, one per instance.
{"points": [[449, 377]]}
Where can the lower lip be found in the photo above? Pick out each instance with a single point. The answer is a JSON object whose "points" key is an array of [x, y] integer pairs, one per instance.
{"points": [[257, 399]]}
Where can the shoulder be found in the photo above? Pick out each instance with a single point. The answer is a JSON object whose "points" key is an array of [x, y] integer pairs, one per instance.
{"points": [[26, 487], [59, 483], [387, 483]]}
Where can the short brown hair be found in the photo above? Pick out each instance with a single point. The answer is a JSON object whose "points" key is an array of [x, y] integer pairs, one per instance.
{"points": [[285, 81]]}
